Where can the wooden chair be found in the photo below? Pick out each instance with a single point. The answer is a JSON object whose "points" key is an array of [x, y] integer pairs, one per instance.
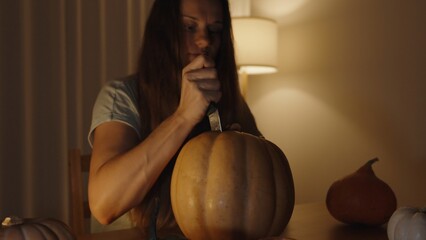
{"points": [[78, 172]]}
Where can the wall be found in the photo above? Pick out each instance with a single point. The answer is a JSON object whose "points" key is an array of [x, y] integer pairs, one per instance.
{"points": [[54, 56], [350, 87]]}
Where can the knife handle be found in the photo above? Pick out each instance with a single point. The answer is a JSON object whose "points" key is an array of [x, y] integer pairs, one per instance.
{"points": [[214, 118], [212, 107]]}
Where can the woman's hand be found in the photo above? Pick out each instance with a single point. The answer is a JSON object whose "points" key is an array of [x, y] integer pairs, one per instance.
{"points": [[200, 86]]}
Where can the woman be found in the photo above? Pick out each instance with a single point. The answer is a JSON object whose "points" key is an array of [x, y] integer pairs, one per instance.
{"points": [[140, 123]]}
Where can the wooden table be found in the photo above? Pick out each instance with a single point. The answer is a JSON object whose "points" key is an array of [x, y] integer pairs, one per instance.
{"points": [[308, 222], [313, 221]]}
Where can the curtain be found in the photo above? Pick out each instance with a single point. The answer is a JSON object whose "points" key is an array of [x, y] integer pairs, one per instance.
{"points": [[54, 57]]}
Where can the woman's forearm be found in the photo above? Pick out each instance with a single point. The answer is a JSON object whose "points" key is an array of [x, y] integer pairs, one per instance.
{"points": [[121, 175]]}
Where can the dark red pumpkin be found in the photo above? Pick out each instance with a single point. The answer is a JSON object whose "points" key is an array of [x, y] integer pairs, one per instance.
{"points": [[14, 228], [361, 198]]}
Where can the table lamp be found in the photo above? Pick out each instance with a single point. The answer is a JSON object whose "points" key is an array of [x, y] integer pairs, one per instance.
{"points": [[256, 42]]}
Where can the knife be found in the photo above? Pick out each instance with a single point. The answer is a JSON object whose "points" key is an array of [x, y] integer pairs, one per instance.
{"points": [[214, 118]]}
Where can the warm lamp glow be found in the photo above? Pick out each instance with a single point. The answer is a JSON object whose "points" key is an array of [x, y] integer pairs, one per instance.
{"points": [[255, 41]]}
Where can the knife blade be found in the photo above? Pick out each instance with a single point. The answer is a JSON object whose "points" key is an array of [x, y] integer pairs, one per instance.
{"points": [[214, 118]]}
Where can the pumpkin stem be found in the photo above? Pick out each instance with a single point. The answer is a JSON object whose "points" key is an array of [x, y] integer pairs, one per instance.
{"points": [[370, 162], [12, 220], [367, 167]]}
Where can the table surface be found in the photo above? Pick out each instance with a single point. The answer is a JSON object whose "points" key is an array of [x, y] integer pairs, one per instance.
{"points": [[313, 221], [308, 222]]}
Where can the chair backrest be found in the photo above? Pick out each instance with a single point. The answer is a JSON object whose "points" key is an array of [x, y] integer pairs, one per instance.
{"points": [[79, 166]]}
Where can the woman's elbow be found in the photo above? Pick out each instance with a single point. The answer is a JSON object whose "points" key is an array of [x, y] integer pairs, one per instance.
{"points": [[99, 207], [102, 215]]}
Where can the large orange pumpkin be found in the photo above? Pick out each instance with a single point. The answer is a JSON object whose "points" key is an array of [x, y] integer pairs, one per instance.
{"points": [[231, 185]]}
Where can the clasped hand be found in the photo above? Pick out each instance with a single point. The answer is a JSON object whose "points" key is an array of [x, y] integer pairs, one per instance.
{"points": [[200, 87]]}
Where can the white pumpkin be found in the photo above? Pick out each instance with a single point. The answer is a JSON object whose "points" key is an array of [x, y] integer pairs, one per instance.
{"points": [[407, 223]]}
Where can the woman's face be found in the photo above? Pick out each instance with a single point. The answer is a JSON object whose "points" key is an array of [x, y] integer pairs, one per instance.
{"points": [[202, 27]]}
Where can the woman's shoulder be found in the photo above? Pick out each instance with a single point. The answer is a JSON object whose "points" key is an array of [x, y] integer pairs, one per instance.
{"points": [[117, 101], [125, 88], [127, 84]]}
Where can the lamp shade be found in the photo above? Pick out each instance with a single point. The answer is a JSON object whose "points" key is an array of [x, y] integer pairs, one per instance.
{"points": [[255, 41]]}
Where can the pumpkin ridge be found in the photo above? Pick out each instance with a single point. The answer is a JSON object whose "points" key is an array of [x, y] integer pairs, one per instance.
{"points": [[174, 184], [256, 188], [212, 160], [288, 192], [42, 228], [272, 154], [247, 180], [57, 227], [22, 232], [208, 171], [181, 164], [273, 173], [25, 233]]}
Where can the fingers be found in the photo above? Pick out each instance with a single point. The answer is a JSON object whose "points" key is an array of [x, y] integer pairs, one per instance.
{"points": [[206, 81], [202, 74], [201, 61], [213, 96], [204, 78]]}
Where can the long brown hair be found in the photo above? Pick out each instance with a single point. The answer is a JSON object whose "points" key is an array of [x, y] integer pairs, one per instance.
{"points": [[160, 68]]}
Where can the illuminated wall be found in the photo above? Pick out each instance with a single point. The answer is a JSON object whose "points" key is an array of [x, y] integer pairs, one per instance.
{"points": [[350, 87]]}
